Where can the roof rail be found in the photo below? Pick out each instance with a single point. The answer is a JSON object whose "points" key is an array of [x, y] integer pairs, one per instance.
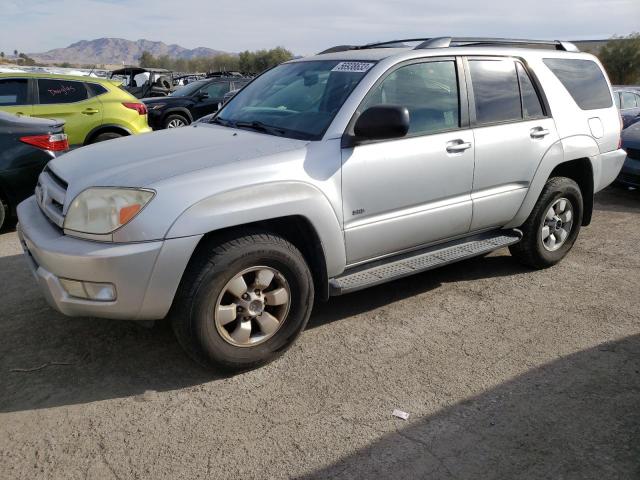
{"points": [[444, 42], [389, 44]]}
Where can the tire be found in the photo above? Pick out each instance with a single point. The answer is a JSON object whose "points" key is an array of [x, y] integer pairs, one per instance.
{"points": [[175, 121], [3, 213], [106, 136], [539, 250], [204, 291]]}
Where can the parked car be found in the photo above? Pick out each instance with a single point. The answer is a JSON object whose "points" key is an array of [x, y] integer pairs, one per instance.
{"points": [[628, 101], [630, 174], [93, 109], [190, 102], [323, 176], [145, 82], [26, 145]]}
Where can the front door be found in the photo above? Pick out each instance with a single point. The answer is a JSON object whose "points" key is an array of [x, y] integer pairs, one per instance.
{"points": [[512, 133], [208, 98], [412, 191], [14, 96], [69, 100]]}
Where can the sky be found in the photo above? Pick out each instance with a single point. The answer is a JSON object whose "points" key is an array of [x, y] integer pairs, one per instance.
{"points": [[304, 26]]}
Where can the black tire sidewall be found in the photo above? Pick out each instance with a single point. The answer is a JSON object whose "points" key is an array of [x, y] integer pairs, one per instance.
{"points": [[562, 189], [213, 347], [3, 213]]}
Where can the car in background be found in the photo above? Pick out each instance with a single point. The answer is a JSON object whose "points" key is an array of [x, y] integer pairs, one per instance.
{"points": [[93, 109], [145, 82], [630, 174], [628, 102], [191, 102], [26, 146]]}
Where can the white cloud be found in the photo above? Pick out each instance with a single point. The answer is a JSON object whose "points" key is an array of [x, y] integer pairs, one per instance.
{"points": [[304, 27]]}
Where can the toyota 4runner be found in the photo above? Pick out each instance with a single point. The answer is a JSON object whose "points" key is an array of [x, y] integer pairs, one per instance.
{"points": [[323, 176]]}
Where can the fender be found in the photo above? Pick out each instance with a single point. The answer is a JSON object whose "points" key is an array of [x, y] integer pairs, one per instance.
{"points": [[105, 126], [181, 110], [263, 202], [565, 150]]}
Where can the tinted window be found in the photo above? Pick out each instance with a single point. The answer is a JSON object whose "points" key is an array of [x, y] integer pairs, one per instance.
{"points": [[496, 91], [216, 90], [628, 100], [13, 91], [584, 81], [428, 90], [531, 106], [52, 91], [95, 89]]}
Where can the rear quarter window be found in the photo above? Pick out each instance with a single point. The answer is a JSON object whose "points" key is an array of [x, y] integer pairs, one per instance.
{"points": [[95, 89], [584, 81], [51, 91]]}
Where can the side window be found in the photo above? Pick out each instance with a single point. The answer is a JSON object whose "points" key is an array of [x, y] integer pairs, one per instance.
{"points": [[13, 91], [52, 91], [531, 106], [429, 91], [616, 98], [94, 89], [627, 100], [584, 81], [216, 90], [495, 90]]}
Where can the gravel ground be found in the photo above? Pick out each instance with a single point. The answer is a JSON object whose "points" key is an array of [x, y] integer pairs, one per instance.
{"points": [[506, 373]]}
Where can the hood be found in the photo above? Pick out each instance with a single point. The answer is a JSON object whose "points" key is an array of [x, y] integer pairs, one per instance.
{"points": [[142, 160], [631, 136]]}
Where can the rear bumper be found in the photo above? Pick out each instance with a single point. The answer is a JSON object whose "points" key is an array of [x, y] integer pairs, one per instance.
{"points": [[145, 275], [607, 168]]}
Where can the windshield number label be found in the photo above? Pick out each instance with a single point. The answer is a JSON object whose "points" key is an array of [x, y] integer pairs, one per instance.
{"points": [[352, 67]]}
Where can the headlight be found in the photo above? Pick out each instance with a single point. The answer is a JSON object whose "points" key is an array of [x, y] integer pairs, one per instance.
{"points": [[100, 210], [156, 106]]}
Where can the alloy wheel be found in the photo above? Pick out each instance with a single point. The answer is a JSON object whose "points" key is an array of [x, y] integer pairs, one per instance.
{"points": [[557, 224]]}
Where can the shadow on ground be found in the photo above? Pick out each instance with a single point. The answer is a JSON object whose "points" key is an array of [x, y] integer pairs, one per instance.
{"points": [[575, 418]]}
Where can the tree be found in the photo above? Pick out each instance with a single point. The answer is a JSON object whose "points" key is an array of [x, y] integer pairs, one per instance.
{"points": [[15, 53], [621, 58], [146, 60], [2, 55]]}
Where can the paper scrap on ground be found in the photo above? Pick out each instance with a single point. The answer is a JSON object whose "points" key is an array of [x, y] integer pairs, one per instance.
{"points": [[400, 414]]}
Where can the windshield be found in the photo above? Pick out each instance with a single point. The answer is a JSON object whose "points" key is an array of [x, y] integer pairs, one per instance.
{"points": [[188, 90], [296, 100]]}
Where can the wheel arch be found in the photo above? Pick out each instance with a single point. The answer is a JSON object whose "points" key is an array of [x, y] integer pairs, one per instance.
{"points": [[106, 128], [178, 111]]}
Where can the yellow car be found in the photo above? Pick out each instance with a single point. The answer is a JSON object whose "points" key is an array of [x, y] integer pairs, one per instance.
{"points": [[93, 109]]}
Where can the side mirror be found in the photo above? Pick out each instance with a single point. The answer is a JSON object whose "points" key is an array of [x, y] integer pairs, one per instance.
{"points": [[202, 95], [382, 122]]}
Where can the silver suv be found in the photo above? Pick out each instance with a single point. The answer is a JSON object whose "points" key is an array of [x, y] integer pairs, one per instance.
{"points": [[326, 175]]}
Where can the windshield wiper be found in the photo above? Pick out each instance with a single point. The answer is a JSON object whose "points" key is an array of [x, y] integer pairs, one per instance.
{"points": [[260, 127], [220, 121]]}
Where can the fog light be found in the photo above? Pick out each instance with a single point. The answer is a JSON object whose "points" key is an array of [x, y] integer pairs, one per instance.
{"points": [[102, 292]]}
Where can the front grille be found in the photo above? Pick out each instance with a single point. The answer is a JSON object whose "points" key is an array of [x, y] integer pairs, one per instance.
{"points": [[50, 194], [633, 153]]}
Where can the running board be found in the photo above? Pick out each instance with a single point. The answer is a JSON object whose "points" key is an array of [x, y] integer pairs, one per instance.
{"points": [[421, 261]]}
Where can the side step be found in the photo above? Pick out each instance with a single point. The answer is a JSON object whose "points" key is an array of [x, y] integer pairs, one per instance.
{"points": [[420, 261]]}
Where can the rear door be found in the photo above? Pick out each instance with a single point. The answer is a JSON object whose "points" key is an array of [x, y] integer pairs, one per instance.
{"points": [[71, 101], [629, 108], [512, 133], [14, 96]]}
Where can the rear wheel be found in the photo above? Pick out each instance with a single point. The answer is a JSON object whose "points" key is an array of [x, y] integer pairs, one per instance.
{"points": [[3, 213], [106, 136], [553, 226], [243, 301], [175, 121]]}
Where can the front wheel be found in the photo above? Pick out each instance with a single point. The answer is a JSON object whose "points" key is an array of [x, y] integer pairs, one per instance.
{"points": [[243, 301], [553, 225], [175, 121]]}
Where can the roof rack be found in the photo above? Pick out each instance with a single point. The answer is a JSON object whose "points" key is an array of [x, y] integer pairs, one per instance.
{"points": [[445, 42]]}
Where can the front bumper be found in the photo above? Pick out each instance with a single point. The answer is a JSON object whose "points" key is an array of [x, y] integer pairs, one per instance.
{"points": [[630, 173], [145, 275]]}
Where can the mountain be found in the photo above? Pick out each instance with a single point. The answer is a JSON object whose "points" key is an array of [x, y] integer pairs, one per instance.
{"points": [[117, 50]]}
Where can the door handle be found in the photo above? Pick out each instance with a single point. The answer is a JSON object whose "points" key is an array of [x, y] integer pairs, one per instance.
{"points": [[539, 132], [90, 111], [458, 146]]}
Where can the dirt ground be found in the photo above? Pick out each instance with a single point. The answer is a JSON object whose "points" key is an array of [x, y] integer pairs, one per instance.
{"points": [[505, 372]]}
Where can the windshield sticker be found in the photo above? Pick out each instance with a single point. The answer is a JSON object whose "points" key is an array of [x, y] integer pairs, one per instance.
{"points": [[352, 67]]}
